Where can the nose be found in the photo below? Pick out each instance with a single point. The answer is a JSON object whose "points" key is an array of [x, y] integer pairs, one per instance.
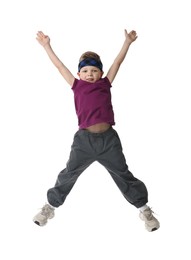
{"points": [[89, 73]]}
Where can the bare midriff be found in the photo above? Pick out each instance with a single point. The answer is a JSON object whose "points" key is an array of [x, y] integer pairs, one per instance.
{"points": [[98, 128]]}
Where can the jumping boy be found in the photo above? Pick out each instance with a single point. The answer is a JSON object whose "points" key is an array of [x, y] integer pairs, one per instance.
{"points": [[96, 139]]}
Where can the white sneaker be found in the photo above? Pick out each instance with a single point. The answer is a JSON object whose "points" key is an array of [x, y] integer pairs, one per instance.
{"points": [[151, 223], [47, 212]]}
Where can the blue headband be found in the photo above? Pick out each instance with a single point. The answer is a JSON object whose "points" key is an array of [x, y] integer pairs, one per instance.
{"points": [[90, 62]]}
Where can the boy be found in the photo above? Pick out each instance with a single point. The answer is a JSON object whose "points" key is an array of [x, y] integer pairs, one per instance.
{"points": [[96, 140]]}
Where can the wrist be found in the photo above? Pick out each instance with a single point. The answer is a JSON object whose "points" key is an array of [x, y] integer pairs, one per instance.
{"points": [[47, 46], [128, 42]]}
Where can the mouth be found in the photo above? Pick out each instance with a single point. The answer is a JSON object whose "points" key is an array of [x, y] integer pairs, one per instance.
{"points": [[90, 79]]}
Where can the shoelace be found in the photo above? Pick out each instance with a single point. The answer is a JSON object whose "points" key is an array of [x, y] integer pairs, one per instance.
{"points": [[149, 214], [46, 211]]}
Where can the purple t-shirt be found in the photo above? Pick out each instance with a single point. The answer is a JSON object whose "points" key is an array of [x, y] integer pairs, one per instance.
{"points": [[93, 102]]}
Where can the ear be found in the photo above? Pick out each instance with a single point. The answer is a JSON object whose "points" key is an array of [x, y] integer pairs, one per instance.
{"points": [[78, 74]]}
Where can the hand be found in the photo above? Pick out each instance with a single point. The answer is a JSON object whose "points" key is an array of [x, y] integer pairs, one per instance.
{"points": [[42, 38], [130, 37]]}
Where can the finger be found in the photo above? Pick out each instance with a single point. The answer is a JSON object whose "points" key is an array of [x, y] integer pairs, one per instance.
{"points": [[40, 34], [133, 33], [126, 33]]}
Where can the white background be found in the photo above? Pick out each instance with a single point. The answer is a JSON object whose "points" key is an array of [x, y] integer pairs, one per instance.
{"points": [[151, 99]]}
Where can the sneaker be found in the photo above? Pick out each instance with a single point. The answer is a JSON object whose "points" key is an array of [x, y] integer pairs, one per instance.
{"points": [[47, 212], [151, 223]]}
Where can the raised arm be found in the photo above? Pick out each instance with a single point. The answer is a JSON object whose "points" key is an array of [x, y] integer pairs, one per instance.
{"points": [[44, 40], [129, 38]]}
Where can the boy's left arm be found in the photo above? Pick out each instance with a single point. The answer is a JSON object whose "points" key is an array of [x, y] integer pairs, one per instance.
{"points": [[129, 38]]}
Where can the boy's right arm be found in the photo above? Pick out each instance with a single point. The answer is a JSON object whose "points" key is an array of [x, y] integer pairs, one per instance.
{"points": [[44, 40]]}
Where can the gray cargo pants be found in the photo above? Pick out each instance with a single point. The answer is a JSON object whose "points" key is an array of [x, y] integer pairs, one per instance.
{"points": [[106, 149]]}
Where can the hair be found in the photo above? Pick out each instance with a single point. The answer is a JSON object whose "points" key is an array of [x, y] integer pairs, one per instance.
{"points": [[90, 55]]}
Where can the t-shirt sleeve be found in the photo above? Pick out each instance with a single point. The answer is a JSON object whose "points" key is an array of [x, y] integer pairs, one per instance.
{"points": [[107, 81], [75, 83]]}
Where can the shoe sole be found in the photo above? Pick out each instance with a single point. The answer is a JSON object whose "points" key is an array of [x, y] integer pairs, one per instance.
{"points": [[36, 222], [154, 229]]}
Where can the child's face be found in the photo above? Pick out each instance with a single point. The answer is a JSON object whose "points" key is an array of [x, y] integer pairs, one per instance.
{"points": [[90, 74]]}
